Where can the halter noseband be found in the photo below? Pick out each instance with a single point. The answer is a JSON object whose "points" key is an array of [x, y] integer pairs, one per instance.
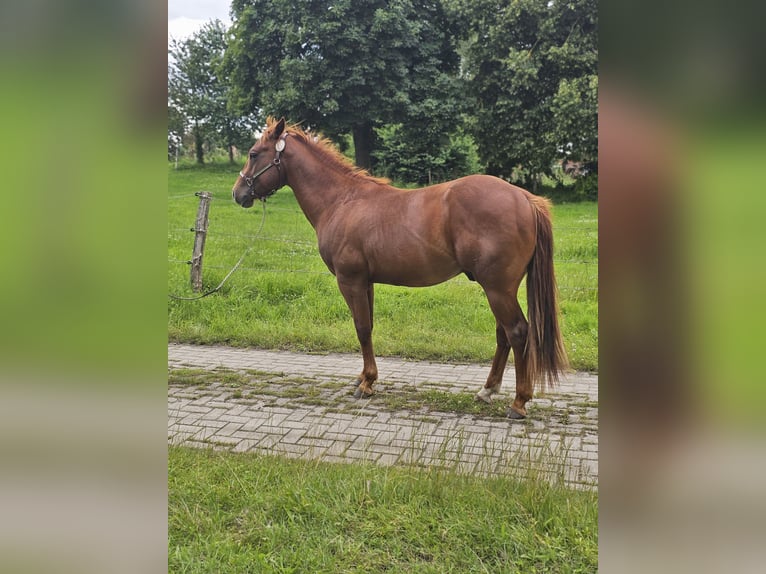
{"points": [[250, 181]]}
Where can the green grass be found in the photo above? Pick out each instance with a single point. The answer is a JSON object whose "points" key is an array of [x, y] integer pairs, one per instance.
{"points": [[254, 513], [284, 297]]}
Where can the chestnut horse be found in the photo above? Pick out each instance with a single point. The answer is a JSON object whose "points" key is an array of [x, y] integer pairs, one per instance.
{"points": [[370, 232]]}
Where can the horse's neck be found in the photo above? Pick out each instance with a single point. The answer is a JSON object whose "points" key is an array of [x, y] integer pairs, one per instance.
{"points": [[317, 188]]}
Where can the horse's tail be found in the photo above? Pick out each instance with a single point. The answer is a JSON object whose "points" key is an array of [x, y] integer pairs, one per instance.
{"points": [[544, 350]]}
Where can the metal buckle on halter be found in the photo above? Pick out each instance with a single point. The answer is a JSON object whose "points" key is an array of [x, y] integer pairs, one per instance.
{"points": [[248, 181]]}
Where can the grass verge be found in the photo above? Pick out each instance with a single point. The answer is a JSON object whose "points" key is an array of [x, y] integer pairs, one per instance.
{"points": [[255, 513]]}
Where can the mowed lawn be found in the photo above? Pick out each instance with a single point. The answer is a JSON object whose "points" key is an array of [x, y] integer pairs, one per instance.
{"points": [[283, 297], [252, 513]]}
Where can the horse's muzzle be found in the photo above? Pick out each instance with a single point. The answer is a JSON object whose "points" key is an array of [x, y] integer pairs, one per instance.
{"points": [[243, 196]]}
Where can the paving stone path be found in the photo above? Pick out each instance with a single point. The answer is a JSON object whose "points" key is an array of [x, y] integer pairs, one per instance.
{"points": [[299, 405]]}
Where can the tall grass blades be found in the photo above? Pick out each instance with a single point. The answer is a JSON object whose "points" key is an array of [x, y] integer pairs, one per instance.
{"points": [[252, 513]]}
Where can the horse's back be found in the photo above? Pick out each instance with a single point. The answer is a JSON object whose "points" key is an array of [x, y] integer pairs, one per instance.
{"points": [[476, 225], [487, 188], [488, 204]]}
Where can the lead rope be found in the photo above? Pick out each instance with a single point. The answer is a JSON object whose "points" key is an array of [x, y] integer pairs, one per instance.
{"points": [[233, 269]]}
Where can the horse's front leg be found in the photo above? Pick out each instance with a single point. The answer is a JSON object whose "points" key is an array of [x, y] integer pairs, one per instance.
{"points": [[359, 297]]}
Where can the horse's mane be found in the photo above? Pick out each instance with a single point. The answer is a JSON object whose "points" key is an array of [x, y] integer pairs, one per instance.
{"points": [[327, 149]]}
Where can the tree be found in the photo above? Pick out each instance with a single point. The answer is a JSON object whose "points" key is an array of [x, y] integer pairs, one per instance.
{"points": [[343, 66], [575, 111], [532, 66], [405, 158], [198, 89], [176, 130]]}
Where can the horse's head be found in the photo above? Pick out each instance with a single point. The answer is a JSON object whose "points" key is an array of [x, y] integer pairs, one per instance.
{"points": [[263, 173]]}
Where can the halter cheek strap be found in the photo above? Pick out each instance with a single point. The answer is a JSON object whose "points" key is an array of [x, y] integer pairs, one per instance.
{"points": [[250, 181]]}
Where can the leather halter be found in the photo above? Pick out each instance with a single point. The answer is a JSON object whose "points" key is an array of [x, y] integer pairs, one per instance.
{"points": [[250, 181]]}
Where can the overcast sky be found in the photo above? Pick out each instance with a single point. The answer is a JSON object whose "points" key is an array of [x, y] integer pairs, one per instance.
{"points": [[186, 16]]}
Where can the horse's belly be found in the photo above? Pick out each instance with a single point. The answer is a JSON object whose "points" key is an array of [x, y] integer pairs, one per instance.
{"points": [[412, 280], [414, 272]]}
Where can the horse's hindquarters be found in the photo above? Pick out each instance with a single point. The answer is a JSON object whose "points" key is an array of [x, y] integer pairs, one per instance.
{"points": [[492, 229]]}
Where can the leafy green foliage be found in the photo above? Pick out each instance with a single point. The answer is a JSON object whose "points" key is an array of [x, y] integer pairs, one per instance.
{"points": [[176, 129], [531, 65], [343, 66], [404, 157], [198, 92], [415, 88], [575, 110]]}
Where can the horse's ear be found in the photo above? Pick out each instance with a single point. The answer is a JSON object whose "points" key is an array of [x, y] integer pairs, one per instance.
{"points": [[279, 128]]}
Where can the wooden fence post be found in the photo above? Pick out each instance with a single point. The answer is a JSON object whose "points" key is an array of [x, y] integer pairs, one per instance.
{"points": [[200, 233]]}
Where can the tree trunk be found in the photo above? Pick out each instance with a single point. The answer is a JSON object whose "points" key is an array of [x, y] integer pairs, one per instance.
{"points": [[231, 153], [198, 144], [363, 136]]}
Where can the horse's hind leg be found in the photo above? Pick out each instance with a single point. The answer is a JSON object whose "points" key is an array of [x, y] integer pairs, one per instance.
{"points": [[524, 386], [495, 378], [511, 333]]}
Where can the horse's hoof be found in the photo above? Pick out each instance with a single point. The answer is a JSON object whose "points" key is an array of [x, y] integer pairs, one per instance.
{"points": [[512, 413], [358, 382], [485, 396], [361, 393]]}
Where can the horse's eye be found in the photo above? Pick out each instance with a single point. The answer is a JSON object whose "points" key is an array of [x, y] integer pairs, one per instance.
{"points": [[253, 155]]}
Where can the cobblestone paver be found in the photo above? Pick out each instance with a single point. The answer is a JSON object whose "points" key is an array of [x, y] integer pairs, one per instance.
{"points": [[302, 407]]}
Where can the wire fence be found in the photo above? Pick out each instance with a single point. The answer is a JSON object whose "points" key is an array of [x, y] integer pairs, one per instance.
{"points": [[177, 233]]}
